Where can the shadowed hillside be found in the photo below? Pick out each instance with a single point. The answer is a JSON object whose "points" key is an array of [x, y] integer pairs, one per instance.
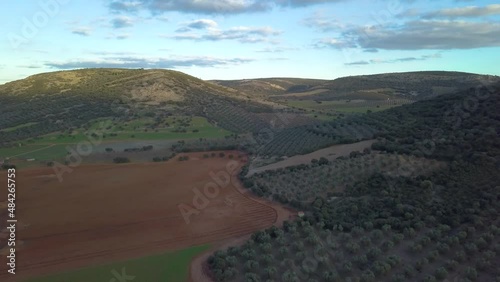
{"points": [[60, 101], [414, 85]]}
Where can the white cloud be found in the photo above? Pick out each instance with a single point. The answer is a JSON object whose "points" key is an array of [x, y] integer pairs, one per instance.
{"points": [[122, 22], [470, 11], [137, 62], [83, 31], [243, 34]]}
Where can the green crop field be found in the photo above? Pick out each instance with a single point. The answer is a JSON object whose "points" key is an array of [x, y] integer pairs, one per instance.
{"points": [[311, 104], [171, 267], [363, 109], [53, 146]]}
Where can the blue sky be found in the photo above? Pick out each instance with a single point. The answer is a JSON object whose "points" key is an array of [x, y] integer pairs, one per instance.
{"points": [[234, 39]]}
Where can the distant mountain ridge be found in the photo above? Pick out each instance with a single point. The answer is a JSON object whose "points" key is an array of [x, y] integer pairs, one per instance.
{"points": [[417, 85], [65, 100]]}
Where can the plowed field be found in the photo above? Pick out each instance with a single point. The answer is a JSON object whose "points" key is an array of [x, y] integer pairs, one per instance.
{"points": [[103, 213]]}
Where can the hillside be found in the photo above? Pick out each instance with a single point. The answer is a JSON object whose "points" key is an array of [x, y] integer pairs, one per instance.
{"points": [[270, 86], [420, 205], [399, 122], [412, 85], [155, 85], [143, 105], [411, 196], [67, 100]]}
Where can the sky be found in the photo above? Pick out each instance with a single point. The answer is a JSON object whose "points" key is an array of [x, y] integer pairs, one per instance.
{"points": [[237, 39]]}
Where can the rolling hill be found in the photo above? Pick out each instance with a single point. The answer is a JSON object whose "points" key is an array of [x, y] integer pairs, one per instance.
{"points": [[413, 85], [271, 86], [420, 205], [66, 100]]}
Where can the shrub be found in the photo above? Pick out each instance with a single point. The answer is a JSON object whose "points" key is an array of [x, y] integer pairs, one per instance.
{"points": [[121, 160], [441, 273], [8, 166], [471, 273], [451, 264]]}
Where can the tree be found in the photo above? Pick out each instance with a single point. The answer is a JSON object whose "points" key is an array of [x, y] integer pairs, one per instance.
{"points": [[251, 265], [381, 268], [271, 271], [471, 273], [365, 241], [373, 253], [441, 273], [8, 166], [368, 276], [283, 251], [330, 276], [430, 278], [251, 277], [347, 267], [377, 234], [387, 245], [352, 247], [290, 276], [231, 260], [451, 264], [323, 161]]}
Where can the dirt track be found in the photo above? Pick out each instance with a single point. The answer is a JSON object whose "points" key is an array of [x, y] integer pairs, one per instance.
{"points": [[103, 213], [329, 153]]}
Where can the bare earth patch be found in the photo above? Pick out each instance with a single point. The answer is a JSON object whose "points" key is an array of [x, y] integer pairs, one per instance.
{"points": [[104, 213]]}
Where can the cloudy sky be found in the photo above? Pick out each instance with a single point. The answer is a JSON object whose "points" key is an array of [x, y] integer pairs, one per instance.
{"points": [[230, 39]]}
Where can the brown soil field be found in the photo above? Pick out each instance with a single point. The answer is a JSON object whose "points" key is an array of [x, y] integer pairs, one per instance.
{"points": [[199, 270], [103, 213]]}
